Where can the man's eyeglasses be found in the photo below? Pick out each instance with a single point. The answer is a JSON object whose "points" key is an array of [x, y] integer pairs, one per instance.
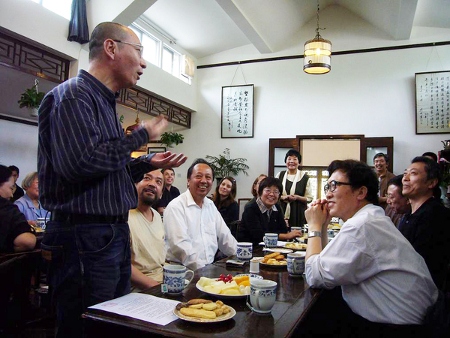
{"points": [[140, 48], [274, 192], [333, 185]]}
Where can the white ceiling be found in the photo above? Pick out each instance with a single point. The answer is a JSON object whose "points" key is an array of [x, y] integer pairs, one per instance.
{"points": [[206, 27]]}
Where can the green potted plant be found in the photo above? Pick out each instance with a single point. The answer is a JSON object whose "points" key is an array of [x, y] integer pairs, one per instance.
{"points": [[169, 138], [31, 98], [225, 166]]}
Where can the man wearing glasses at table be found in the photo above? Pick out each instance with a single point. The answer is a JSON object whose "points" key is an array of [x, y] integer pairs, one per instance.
{"points": [[385, 285]]}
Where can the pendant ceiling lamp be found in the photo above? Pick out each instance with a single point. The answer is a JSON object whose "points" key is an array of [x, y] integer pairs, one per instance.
{"points": [[317, 58]]}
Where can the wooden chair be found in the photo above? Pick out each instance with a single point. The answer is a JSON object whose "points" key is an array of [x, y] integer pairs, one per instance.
{"points": [[16, 271]]}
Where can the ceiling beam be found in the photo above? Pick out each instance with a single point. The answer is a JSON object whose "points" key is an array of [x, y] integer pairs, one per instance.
{"points": [[244, 25]]}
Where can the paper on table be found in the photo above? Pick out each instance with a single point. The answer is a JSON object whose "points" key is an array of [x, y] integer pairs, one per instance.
{"points": [[141, 306]]}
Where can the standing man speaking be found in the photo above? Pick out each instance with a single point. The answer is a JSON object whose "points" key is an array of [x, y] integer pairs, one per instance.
{"points": [[85, 176]]}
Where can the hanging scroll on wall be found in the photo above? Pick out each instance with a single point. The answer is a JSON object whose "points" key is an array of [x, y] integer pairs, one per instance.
{"points": [[237, 111], [433, 103]]}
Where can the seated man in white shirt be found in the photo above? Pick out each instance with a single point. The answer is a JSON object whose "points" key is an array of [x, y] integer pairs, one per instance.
{"points": [[148, 251], [194, 227], [386, 286]]}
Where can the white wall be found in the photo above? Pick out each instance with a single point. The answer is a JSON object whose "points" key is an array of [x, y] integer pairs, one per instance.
{"points": [[18, 146], [370, 94]]}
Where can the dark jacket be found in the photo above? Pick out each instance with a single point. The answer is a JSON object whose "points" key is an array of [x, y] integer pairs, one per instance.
{"points": [[255, 224], [428, 231], [12, 224]]}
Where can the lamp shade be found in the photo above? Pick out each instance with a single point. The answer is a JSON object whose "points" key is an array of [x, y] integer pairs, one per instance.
{"points": [[317, 58], [133, 127]]}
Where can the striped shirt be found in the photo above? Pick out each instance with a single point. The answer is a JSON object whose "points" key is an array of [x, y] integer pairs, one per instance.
{"points": [[83, 153]]}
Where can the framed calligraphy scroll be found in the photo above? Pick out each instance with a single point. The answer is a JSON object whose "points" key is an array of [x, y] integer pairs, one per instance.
{"points": [[237, 111], [433, 103]]}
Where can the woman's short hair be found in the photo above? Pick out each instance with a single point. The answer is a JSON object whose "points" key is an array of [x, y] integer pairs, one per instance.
{"points": [[29, 179], [270, 182], [5, 174], [293, 152]]}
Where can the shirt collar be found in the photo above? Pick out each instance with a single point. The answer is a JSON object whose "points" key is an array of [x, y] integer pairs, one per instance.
{"points": [[263, 208]]}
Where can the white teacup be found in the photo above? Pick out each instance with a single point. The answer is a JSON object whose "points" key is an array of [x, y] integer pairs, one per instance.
{"points": [[263, 293], [174, 277], [41, 223], [270, 240], [296, 263], [244, 251]]}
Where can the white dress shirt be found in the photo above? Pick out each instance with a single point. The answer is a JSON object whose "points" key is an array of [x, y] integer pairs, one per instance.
{"points": [[383, 278], [194, 234]]}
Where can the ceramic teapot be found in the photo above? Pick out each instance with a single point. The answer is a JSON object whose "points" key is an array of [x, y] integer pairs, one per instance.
{"points": [[446, 144]]}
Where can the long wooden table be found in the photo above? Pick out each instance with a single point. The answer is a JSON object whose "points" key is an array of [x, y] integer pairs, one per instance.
{"points": [[293, 301]]}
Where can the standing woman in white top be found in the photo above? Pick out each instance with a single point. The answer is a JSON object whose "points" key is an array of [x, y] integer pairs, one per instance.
{"points": [[296, 189]]}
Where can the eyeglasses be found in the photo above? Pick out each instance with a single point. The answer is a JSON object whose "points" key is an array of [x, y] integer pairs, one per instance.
{"points": [[333, 185], [140, 48], [273, 192]]}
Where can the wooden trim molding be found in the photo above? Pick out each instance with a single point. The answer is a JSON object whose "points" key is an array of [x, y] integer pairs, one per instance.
{"points": [[23, 56]]}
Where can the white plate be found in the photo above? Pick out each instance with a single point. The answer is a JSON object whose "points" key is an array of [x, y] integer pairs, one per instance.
{"points": [[297, 246], [218, 295], [279, 250], [276, 266], [227, 316]]}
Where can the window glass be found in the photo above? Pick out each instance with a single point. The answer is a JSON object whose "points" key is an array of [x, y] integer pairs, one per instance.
{"points": [[167, 60], [151, 47]]}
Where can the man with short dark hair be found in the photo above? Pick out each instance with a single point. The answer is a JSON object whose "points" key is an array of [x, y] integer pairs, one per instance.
{"points": [[148, 252], [169, 192], [427, 226], [386, 286], [398, 205], [17, 191], [381, 162], [195, 230]]}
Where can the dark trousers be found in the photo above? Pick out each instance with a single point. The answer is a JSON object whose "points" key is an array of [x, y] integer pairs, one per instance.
{"points": [[332, 317], [88, 264]]}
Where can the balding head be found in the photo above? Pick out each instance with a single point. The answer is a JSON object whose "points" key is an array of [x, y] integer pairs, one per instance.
{"points": [[103, 31]]}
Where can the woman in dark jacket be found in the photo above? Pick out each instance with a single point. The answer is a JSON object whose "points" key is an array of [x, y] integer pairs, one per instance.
{"points": [[15, 233], [263, 215]]}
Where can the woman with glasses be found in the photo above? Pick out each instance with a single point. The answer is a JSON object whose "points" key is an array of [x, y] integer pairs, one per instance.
{"points": [[296, 192], [264, 215], [224, 199]]}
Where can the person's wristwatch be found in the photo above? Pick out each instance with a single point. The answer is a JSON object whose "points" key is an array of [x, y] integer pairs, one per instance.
{"points": [[314, 234]]}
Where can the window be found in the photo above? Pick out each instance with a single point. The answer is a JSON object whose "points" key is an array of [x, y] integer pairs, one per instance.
{"points": [[156, 51], [60, 7], [171, 61], [318, 177]]}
